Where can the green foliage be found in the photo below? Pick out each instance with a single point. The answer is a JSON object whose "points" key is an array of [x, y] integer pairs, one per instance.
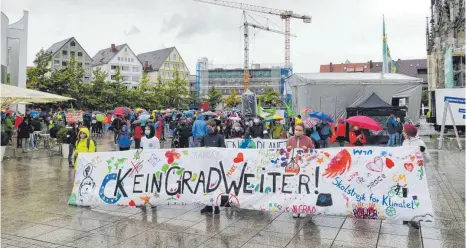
{"points": [[213, 97], [101, 93], [270, 98], [61, 135], [232, 100], [177, 91]]}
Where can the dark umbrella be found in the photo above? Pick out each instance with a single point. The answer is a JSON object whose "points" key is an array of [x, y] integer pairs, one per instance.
{"points": [[123, 111]]}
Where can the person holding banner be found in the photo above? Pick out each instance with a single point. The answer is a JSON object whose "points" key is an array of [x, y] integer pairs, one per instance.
{"points": [[149, 141], [299, 141], [84, 143], [212, 139]]}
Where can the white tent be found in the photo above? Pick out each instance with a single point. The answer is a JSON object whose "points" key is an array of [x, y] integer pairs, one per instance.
{"points": [[13, 94], [332, 93]]}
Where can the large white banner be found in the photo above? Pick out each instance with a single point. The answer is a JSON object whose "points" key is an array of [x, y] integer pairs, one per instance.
{"points": [[256, 143], [365, 182]]}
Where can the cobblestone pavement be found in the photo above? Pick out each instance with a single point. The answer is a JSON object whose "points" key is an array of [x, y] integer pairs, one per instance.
{"points": [[35, 190]]}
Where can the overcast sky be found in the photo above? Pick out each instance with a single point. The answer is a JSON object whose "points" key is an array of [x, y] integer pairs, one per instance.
{"points": [[340, 29]]}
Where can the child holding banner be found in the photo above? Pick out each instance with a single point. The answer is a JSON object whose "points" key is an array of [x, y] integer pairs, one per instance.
{"points": [[300, 141], [84, 143]]}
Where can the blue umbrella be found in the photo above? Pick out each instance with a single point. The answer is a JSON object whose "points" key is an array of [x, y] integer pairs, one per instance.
{"points": [[321, 116], [34, 114]]}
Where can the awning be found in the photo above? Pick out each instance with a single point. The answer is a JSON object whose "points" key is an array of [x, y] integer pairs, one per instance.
{"points": [[13, 95]]}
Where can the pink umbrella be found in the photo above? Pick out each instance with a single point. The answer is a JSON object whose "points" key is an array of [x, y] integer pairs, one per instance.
{"points": [[310, 122], [10, 111], [364, 122]]}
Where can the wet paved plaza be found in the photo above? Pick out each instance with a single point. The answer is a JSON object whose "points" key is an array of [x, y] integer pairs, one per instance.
{"points": [[35, 190]]}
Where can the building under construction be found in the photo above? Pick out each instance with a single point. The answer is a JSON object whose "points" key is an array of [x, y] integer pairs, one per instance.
{"points": [[227, 78]]}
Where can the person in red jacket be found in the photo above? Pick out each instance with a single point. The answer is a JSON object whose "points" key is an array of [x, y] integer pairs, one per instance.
{"points": [[159, 127], [137, 136], [357, 137], [341, 132]]}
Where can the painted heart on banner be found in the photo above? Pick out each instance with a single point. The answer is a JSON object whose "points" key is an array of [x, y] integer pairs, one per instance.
{"points": [[239, 158], [376, 166], [409, 167], [132, 203], [389, 163]]}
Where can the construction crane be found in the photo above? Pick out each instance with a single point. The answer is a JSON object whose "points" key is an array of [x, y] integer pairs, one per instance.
{"points": [[246, 45], [284, 14]]}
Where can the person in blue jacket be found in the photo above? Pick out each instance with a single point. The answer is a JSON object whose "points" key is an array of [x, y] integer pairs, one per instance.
{"points": [[199, 130]]}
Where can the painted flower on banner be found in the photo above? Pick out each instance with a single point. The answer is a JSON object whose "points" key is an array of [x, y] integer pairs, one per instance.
{"points": [[172, 156]]}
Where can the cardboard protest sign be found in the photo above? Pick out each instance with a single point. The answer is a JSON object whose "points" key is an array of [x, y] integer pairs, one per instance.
{"points": [[256, 143], [363, 182], [74, 117]]}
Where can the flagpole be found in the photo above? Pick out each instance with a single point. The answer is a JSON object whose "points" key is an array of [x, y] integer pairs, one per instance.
{"points": [[384, 48]]}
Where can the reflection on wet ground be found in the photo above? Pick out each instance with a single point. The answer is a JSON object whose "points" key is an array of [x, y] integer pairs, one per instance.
{"points": [[36, 187]]}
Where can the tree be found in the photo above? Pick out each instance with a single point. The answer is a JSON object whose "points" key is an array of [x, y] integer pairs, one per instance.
{"points": [[232, 100], [67, 81], [213, 97], [38, 76], [270, 98], [194, 99], [177, 91]]}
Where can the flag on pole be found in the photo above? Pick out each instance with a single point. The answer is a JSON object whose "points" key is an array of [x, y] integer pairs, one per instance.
{"points": [[386, 55]]}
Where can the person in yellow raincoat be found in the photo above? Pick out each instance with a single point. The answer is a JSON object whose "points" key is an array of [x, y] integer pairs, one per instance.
{"points": [[84, 144]]}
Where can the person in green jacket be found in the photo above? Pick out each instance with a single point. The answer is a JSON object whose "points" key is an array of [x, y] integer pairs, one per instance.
{"points": [[9, 126], [276, 129]]}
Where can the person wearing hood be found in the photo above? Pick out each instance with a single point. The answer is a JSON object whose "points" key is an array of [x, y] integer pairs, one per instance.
{"points": [[256, 130], [84, 143], [341, 132], [184, 132], [212, 139], [124, 139], [149, 141], [199, 130], [357, 137], [117, 123]]}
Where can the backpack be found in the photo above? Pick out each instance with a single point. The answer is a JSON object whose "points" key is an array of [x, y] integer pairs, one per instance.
{"points": [[89, 144]]}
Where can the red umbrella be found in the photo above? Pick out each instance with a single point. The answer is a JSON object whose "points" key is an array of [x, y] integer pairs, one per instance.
{"points": [[123, 111], [10, 111], [364, 122]]}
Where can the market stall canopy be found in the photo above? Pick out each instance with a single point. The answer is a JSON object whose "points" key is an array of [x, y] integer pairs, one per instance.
{"points": [[12, 94], [333, 93]]}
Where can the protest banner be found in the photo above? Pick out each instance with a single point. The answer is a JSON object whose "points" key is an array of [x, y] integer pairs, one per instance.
{"points": [[364, 182], [255, 143], [74, 117]]}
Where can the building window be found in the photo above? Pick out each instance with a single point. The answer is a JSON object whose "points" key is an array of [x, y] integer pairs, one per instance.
{"points": [[114, 67], [126, 49], [80, 64], [126, 78], [72, 43], [125, 68], [80, 54], [86, 64], [64, 52], [136, 78], [86, 79], [72, 53], [166, 66], [135, 69], [174, 56], [132, 60], [57, 62], [63, 63], [118, 58], [113, 77]]}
